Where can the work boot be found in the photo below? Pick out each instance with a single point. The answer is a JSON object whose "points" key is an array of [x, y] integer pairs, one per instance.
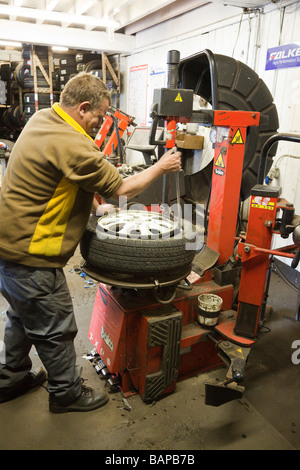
{"points": [[89, 400], [34, 378]]}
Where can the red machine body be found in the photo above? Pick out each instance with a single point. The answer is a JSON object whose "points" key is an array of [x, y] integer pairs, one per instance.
{"points": [[150, 346]]}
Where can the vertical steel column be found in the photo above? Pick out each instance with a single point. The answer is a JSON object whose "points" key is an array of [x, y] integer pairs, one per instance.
{"points": [[253, 283]]}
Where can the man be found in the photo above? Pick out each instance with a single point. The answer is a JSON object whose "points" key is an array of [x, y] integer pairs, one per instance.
{"points": [[46, 198]]}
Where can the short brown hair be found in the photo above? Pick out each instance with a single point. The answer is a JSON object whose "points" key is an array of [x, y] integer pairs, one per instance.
{"points": [[84, 87]]}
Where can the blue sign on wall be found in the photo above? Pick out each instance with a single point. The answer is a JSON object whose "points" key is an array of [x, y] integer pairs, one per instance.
{"points": [[283, 56]]}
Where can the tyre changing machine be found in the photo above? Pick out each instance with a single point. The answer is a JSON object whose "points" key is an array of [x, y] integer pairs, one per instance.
{"points": [[144, 345]]}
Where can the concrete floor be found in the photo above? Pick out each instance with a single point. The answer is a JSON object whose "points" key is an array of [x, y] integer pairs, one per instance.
{"points": [[266, 418]]}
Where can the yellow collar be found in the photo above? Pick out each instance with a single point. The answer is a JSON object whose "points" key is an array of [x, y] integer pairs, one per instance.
{"points": [[66, 117]]}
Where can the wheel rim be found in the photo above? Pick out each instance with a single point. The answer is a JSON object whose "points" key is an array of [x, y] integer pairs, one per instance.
{"points": [[136, 225]]}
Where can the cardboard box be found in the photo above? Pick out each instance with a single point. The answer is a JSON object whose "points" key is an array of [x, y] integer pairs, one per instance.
{"points": [[189, 141]]}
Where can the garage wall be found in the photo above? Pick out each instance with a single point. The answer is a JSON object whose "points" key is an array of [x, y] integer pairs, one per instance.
{"points": [[244, 36]]}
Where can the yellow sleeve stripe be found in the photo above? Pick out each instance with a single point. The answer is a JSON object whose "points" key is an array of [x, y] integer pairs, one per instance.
{"points": [[65, 116], [49, 232]]}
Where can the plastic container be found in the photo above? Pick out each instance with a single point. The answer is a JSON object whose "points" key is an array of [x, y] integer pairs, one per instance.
{"points": [[209, 308]]}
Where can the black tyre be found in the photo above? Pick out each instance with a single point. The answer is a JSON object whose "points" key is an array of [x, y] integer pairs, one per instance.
{"points": [[68, 70], [126, 255], [21, 72], [236, 87], [93, 65], [15, 114], [7, 121], [42, 52], [69, 62]]}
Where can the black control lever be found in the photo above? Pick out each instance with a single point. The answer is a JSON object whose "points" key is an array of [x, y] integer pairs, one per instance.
{"points": [[296, 239], [155, 119], [296, 259]]}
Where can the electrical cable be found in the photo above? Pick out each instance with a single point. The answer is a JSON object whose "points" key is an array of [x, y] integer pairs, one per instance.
{"points": [[282, 14], [285, 155], [238, 33]]}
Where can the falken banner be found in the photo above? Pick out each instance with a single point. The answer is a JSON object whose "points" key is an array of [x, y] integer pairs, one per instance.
{"points": [[281, 57]]}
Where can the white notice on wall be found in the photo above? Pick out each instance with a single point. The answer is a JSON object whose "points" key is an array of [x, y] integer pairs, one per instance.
{"points": [[137, 103], [157, 80]]}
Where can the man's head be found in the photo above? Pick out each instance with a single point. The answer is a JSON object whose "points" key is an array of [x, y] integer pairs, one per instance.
{"points": [[86, 99]]}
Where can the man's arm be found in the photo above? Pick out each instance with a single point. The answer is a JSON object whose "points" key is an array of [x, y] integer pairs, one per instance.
{"points": [[133, 185]]}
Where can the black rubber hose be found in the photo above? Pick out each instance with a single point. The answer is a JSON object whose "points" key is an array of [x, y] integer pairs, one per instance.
{"points": [[265, 149], [213, 79]]}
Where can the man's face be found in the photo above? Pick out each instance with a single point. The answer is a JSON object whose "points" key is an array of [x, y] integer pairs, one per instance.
{"points": [[94, 119]]}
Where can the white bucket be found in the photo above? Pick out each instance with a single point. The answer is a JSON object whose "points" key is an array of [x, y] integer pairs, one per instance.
{"points": [[209, 307]]}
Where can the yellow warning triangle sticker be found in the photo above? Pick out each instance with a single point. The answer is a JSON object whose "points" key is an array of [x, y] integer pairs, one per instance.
{"points": [[237, 138], [178, 97], [220, 161]]}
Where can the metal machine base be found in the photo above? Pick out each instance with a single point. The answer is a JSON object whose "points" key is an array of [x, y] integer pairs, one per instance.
{"points": [[150, 346]]}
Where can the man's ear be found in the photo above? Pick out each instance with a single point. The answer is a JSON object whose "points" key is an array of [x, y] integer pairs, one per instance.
{"points": [[84, 107]]}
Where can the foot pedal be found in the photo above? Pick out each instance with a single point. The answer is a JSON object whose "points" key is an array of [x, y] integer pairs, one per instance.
{"points": [[100, 366], [219, 394], [105, 372], [114, 383], [113, 380]]}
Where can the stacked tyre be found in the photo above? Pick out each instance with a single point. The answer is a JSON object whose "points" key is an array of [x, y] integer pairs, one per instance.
{"points": [[82, 62], [67, 69], [5, 84], [95, 68], [42, 54], [13, 117], [44, 101]]}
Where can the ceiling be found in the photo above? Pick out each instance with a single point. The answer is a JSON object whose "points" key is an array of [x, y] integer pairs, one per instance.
{"points": [[108, 25], [94, 15]]}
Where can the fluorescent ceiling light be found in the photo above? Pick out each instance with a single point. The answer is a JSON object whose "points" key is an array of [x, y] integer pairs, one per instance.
{"points": [[10, 43], [56, 16], [60, 48]]}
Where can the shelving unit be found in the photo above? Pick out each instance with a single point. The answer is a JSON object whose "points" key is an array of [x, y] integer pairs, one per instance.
{"points": [[116, 78], [37, 80], [36, 62]]}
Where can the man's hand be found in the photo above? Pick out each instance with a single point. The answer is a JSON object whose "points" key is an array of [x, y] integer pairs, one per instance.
{"points": [[170, 161], [104, 209], [136, 184]]}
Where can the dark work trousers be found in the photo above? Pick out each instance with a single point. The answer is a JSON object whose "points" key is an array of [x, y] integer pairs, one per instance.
{"points": [[40, 313]]}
